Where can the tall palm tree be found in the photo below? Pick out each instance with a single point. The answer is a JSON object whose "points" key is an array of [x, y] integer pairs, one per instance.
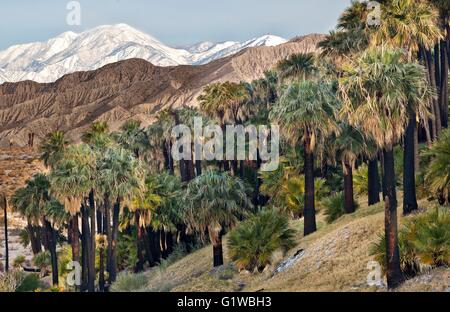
{"points": [[72, 180], [443, 60], [215, 201], [4, 206], [121, 177], [375, 92], [306, 113], [52, 148], [410, 25]]}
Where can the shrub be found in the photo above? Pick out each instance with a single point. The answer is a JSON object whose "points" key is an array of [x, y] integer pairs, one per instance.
{"points": [[424, 240], [43, 261], [409, 263], [430, 237], [334, 207], [361, 180], [29, 283], [128, 282], [253, 242]]}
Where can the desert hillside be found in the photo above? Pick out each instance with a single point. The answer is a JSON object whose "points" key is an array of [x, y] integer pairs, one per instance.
{"points": [[128, 89]]}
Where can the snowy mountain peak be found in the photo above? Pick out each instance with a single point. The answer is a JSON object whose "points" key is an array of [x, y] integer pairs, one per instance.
{"points": [[89, 50]]}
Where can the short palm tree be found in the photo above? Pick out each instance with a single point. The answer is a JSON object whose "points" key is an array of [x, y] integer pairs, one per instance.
{"points": [[347, 147], [52, 148], [306, 113], [375, 92], [215, 201], [35, 203]]}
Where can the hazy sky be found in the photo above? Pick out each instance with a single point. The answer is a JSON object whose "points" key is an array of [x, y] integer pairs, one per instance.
{"points": [[174, 22]]}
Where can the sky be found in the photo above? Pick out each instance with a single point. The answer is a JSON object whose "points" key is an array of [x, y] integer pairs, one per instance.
{"points": [[174, 22]]}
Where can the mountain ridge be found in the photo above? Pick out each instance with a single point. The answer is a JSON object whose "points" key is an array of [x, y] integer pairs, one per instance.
{"points": [[71, 52], [123, 90]]}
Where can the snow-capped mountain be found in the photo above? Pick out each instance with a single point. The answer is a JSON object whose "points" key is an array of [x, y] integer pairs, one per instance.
{"points": [[89, 50]]}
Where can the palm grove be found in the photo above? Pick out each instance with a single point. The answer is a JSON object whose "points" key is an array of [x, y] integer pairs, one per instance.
{"points": [[121, 202]]}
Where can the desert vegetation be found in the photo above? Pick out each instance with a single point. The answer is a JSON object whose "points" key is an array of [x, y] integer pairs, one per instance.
{"points": [[364, 120]]}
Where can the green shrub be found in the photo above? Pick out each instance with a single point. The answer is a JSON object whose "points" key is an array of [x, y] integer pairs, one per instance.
{"points": [[334, 206], [424, 240], [361, 180], [253, 242], [29, 283], [128, 282], [409, 263], [430, 237], [42, 260]]}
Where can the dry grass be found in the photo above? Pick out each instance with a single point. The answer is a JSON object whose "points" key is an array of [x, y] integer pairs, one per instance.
{"points": [[335, 259]]}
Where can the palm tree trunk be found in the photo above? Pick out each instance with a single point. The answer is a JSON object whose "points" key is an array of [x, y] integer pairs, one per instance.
{"points": [[140, 245], [217, 251], [409, 173], [373, 182], [108, 231], [51, 237], [393, 271], [115, 233], [91, 254], [148, 249], [198, 167], [443, 95], [101, 273], [75, 239], [85, 246], [309, 210], [5, 210], [383, 177], [349, 201], [435, 111]]}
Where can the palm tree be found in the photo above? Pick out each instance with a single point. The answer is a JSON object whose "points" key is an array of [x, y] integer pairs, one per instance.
{"points": [[132, 137], [297, 66], [96, 134], [4, 206], [306, 113], [52, 148], [375, 92], [442, 57], [34, 202], [160, 140], [120, 178], [215, 201], [437, 175], [143, 206], [411, 25], [73, 179], [347, 147]]}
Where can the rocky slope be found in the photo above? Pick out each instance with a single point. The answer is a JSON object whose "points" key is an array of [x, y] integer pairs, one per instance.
{"points": [[128, 89]]}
